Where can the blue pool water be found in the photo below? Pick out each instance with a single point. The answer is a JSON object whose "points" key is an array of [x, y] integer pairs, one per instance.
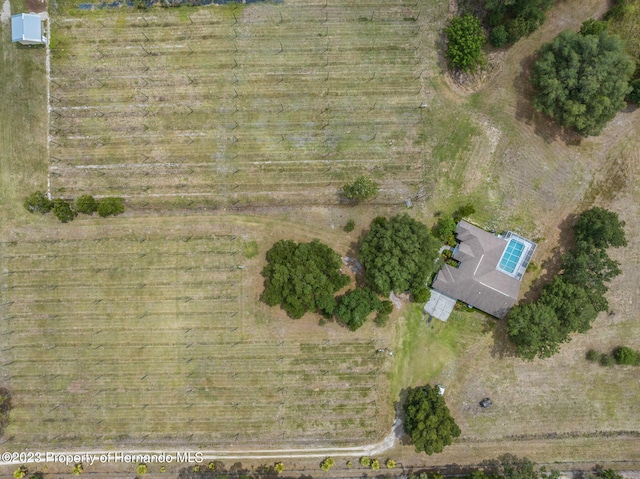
{"points": [[511, 256]]}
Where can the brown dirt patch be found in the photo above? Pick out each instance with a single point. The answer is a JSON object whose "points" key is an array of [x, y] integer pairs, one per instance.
{"points": [[36, 6]]}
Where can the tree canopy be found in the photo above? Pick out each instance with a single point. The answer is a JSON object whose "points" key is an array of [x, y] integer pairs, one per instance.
{"points": [[63, 211], [574, 298], [86, 204], [110, 206], [514, 19], [465, 43], [601, 228], [356, 305], [37, 202], [428, 420], [582, 80], [302, 277], [535, 330], [398, 254], [362, 188]]}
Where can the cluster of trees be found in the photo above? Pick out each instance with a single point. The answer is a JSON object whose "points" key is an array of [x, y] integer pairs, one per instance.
{"points": [[398, 254], [428, 421], [582, 79], [621, 355], [303, 277], [510, 20], [38, 202], [575, 297], [507, 21]]}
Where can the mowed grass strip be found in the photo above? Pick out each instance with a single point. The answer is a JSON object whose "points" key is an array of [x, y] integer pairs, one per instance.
{"points": [[140, 331], [259, 105]]}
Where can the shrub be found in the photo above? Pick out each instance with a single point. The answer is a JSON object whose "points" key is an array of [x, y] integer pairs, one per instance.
{"points": [[77, 469], [142, 468], [212, 465], [362, 188], [279, 467], [386, 307], [327, 464], [381, 320], [375, 464], [349, 464], [607, 360], [463, 212], [626, 356], [445, 230], [86, 204], [348, 228], [37, 202], [365, 461], [20, 472], [390, 463], [422, 295], [592, 355], [110, 207], [499, 36], [163, 469], [62, 210]]}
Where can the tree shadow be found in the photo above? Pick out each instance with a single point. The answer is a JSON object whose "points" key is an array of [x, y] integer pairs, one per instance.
{"points": [[402, 437], [543, 125], [502, 347], [553, 264], [353, 263]]}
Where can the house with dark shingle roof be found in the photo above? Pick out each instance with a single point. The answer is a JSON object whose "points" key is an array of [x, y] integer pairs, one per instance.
{"points": [[489, 271]]}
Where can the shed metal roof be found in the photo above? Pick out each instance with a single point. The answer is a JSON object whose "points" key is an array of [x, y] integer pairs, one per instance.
{"points": [[26, 27]]}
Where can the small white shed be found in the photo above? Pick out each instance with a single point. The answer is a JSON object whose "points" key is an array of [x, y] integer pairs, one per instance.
{"points": [[28, 29]]}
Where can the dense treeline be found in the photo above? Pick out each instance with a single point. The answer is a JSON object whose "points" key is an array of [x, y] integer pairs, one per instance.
{"points": [[574, 298]]}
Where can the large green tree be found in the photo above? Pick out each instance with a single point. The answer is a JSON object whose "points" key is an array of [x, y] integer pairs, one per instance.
{"points": [[571, 303], [591, 267], [398, 254], [302, 277], [600, 227], [582, 80], [535, 330], [356, 305], [428, 421], [466, 40]]}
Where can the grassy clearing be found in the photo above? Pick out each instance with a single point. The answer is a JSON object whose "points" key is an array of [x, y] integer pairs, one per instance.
{"points": [[426, 351], [150, 337], [23, 122]]}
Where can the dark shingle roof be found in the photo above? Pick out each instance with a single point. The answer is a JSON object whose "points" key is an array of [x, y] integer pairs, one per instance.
{"points": [[477, 281]]}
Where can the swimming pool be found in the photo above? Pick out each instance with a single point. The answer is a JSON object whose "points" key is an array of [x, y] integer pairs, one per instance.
{"points": [[511, 256]]}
